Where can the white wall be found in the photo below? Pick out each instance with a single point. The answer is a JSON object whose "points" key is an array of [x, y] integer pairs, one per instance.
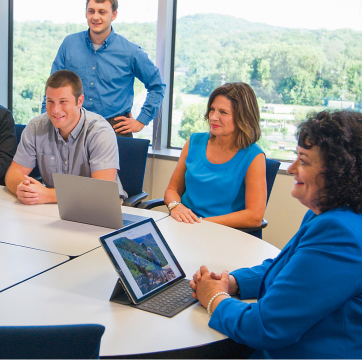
{"points": [[284, 213]]}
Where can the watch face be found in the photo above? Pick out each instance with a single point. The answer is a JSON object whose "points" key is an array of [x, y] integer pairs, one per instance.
{"points": [[172, 204]]}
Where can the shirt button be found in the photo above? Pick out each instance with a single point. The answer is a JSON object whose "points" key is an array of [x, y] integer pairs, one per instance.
{"points": [[93, 68], [90, 99], [65, 162], [91, 83]]}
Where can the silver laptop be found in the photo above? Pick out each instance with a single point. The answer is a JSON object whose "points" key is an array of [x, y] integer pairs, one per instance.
{"points": [[91, 201]]}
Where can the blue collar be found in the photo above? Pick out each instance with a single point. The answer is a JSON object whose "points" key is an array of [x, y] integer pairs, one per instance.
{"points": [[108, 40]]}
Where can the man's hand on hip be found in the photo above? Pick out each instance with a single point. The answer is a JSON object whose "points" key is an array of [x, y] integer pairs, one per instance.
{"points": [[127, 125]]}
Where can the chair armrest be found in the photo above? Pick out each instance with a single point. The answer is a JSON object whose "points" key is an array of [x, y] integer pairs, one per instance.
{"points": [[134, 200], [263, 225], [150, 204]]}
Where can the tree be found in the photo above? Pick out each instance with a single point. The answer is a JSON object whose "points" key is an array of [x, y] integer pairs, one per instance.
{"points": [[262, 74], [178, 101], [284, 131], [193, 121], [264, 143]]}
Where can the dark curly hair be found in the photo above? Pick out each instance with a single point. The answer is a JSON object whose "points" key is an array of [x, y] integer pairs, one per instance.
{"points": [[245, 111], [338, 136]]}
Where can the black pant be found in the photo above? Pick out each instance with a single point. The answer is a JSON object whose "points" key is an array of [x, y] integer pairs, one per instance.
{"points": [[114, 122]]}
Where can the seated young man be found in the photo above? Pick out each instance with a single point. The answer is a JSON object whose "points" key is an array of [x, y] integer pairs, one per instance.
{"points": [[66, 139]]}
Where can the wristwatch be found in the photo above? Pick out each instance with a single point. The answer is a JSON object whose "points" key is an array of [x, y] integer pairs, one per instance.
{"points": [[172, 205]]}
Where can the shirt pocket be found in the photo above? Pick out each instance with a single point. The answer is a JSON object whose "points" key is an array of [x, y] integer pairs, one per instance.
{"points": [[79, 67], [48, 166]]}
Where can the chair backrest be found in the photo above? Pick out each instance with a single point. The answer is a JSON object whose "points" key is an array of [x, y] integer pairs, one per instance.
{"points": [[272, 167], [132, 163], [51, 342], [18, 130]]}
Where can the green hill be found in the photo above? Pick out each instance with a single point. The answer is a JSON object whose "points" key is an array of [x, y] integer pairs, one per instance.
{"points": [[292, 66]]}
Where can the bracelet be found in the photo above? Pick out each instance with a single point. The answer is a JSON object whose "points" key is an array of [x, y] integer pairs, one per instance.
{"points": [[213, 298], [172, 205]]}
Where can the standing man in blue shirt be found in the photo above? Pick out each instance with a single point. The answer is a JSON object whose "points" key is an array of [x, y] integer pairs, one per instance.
{"points": [[108, 63]]}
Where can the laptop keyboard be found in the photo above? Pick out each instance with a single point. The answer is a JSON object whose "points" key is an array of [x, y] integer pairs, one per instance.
{"points": [[170, 302]]}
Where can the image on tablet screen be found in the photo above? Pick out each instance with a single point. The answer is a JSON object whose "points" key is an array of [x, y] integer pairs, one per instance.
{"points": [[145, 261]]}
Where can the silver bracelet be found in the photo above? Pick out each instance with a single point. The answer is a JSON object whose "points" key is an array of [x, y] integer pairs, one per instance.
{"points": [[213, 298]]}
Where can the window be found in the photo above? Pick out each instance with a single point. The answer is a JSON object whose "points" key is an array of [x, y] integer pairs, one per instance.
{"points": [[297, 56], [40, 27]]}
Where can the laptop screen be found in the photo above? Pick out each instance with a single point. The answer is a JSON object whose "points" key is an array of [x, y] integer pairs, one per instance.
{"points": [[142, 259]]}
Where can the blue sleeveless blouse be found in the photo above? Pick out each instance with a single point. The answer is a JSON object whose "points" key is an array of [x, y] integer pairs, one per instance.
{"points": [[215, 189]]}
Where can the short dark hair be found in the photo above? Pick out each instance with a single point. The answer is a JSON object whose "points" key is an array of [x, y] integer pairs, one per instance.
{"points": [[338, 135], [245, 111], [113, 2], [63, 78]]}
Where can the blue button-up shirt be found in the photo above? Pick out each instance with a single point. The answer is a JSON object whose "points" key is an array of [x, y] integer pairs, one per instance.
{"points": [[108, 74]]}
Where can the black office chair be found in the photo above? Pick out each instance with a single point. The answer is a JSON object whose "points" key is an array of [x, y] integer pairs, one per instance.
{"points": [[132, 163], [35, 172], [51, 342], [272, 167]]}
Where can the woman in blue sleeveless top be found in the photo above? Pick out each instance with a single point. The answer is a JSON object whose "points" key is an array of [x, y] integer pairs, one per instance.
{"points": [[220, 175]]}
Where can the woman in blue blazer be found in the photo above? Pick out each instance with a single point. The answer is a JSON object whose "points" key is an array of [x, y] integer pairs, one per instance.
{"points": [[310, 296]]}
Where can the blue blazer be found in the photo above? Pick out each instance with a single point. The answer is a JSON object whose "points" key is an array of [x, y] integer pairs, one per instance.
{"points": [[309, 297]]}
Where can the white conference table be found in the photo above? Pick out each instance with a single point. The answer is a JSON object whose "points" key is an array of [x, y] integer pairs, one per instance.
{"points": [[18, 263], [40, 227], [78, 291]]}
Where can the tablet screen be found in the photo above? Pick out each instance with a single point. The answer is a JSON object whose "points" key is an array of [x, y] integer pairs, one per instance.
{"points": [[142, 259]]}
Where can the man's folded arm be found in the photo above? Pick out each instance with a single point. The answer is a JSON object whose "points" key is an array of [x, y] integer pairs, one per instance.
{"points": [[28, 190], [15, 175]]}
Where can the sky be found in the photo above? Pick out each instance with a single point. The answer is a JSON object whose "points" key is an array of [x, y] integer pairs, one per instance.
{"points": [[308, 14]]}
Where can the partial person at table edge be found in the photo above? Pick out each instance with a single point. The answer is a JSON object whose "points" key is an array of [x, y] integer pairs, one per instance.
{"points": [[309, 297], [221, 175], [7, 141], [67, 139], [108, 64]]}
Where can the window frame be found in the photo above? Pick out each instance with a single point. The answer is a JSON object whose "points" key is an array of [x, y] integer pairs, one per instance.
{"points": [[6, 58]]}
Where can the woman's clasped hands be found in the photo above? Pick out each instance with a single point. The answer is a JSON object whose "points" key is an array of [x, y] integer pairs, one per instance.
{"points": [[208, 284]]}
